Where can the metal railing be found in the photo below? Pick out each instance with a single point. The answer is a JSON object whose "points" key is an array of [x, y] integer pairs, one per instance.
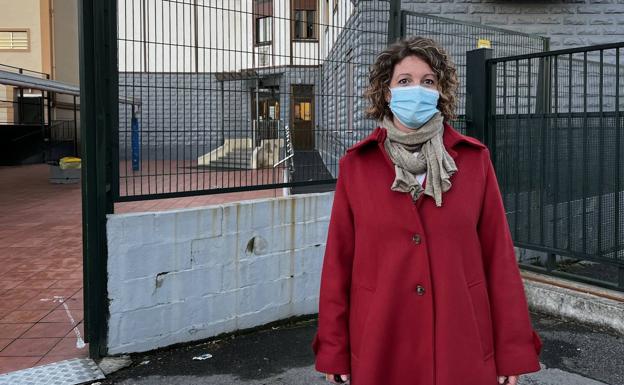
{"points": [[209, 93], [289, 153], [554, 127], [458, 37]]}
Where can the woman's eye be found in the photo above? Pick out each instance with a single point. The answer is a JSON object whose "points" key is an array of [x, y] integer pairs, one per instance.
{"points": [[429, 82], [403, 81]]}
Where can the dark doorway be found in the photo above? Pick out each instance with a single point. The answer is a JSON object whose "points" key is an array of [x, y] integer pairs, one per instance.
{"points": [[302, 117], [265, 112]]}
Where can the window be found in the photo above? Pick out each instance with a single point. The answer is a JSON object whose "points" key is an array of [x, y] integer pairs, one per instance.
{"points": [[304, 24], [303, 111], [304, 15], [326, 14], [263, 20], [14, 40], [264, 30], [264, 56]]}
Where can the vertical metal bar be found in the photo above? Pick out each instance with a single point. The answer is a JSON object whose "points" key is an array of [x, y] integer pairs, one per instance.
{"points": [[529, 153], [551, 262], [517, 150], [618, 175], [584, 156], [569, 151], [203, 94], [255, 127], [184, 91], [75, 128], [601, 164], [99, 110], [20, 104], [477, 107], [44, 135], [170, 77], [556, 151], [544, 106], [490, 128], [394, 23]]}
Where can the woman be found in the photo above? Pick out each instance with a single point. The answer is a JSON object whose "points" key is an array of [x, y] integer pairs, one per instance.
{"points": [[420, 284]]}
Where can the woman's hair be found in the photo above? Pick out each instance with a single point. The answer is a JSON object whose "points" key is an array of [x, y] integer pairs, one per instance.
{"points": [[429, 51]]}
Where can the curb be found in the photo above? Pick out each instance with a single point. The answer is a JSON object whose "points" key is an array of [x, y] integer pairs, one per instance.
{"points": [[575, 301]]}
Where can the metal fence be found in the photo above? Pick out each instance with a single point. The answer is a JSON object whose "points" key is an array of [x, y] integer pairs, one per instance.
{"points": [[555, 134], [31, 131], [226, 84], [459, 37]]}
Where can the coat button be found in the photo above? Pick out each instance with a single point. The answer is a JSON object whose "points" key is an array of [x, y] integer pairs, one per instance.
{"points": [[420, 290], [416, 239]]}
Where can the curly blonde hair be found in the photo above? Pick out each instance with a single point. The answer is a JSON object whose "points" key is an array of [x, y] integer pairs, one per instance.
{"points": [[428, 50]]}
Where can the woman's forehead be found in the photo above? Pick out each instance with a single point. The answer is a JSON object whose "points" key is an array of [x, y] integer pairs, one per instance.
{"points": [[413, 65]]}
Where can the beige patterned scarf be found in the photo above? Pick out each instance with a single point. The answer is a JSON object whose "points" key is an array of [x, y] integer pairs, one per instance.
{"points": [[433, 158]]}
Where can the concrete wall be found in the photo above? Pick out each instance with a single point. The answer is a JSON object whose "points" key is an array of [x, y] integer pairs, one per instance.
{"points": [[186, 275], [65, 59]]}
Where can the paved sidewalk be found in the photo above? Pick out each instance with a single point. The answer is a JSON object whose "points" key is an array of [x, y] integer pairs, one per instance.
{"points": [[40, 269], [41, 310], [573, 354]]}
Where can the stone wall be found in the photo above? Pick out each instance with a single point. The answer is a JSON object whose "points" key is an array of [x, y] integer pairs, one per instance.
{"points": [[568, 23]]}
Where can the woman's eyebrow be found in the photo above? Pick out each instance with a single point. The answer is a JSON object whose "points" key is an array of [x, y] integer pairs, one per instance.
{"points": [[405, 74]]}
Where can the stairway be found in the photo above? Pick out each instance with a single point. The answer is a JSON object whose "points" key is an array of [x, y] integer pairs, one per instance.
{"points": [[239, 158]]}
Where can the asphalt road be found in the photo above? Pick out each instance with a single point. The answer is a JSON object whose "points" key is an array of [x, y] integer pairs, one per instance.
{"points": [[573, 354]]}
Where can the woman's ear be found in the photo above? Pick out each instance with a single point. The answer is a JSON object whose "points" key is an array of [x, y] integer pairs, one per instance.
{"points": [[387, 95]]}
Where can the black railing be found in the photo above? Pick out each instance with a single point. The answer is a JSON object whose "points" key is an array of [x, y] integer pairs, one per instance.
{"points": [[208, 94], [554, 127]]}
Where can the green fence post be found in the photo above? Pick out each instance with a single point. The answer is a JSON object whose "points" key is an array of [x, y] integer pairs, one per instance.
{"points": [[478, 94], [394, 22], [99, 118]]}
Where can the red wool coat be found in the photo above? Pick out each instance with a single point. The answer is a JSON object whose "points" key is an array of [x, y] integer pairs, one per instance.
{"points": [[414, 294]]}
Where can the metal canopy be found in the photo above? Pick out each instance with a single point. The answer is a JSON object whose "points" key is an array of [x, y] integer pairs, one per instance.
{"points": [[26, 81]]}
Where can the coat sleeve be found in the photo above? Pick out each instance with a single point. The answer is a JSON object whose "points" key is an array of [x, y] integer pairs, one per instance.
{"points": [[331, 341], [516, 345]]}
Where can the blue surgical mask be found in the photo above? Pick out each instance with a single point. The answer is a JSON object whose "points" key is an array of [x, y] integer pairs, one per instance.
{"points": [[413, 105]]}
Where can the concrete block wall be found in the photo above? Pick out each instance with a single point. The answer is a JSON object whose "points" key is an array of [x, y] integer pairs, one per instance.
{"points": [[185, 275]]}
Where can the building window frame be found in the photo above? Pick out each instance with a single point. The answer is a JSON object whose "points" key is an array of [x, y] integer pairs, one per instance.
{"points": [[10, 47], [267, 31], [304, 21]]}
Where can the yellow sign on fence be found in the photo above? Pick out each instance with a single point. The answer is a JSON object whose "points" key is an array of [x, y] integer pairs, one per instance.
{"points": [[484, 43]]}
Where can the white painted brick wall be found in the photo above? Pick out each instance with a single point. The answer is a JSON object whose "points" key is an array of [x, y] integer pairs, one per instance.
{"points": [[185, 275]]}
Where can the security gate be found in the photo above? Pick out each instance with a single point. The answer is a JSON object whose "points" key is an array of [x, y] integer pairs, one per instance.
{"points": [[553, 124]]}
